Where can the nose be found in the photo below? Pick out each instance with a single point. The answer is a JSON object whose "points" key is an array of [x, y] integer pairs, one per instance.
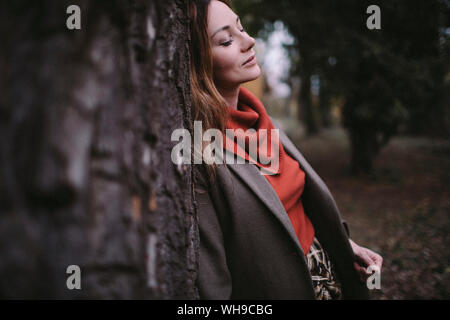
{"points": [[248, 43]]}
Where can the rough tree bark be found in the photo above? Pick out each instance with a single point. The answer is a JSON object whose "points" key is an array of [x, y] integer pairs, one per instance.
{"points": [[86, 176]]}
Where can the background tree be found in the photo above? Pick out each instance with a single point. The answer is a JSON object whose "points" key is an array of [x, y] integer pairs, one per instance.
{"points": [[388, 77], [85, 172]]}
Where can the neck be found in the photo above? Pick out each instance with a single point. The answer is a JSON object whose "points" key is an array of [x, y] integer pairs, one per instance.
{"points": [[231, 96]]}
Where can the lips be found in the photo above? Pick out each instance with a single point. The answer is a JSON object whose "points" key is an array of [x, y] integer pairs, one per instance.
{"points": [[249, 59]]}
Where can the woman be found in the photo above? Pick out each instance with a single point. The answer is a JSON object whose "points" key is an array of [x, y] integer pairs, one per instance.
{"points": [[262, 236]]}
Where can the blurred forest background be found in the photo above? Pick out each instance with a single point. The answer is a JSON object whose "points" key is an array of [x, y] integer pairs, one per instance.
{"points": [[370, 110], [86, 118]]}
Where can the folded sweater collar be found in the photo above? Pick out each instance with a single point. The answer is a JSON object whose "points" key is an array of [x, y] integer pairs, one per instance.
{"points": [[251, 114]]}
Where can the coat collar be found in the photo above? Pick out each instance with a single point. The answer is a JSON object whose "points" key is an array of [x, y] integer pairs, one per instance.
{"points": [[324, 214], [315, 189], [265, 192]]}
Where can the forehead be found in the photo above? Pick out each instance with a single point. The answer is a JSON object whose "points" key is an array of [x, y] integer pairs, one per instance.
{"points": [[219, 15]]}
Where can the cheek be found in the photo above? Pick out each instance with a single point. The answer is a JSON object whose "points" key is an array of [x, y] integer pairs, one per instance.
{"points": [[224, 62]]}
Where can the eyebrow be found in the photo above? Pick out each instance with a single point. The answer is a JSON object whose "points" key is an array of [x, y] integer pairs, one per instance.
{"points": [[223, 28]]}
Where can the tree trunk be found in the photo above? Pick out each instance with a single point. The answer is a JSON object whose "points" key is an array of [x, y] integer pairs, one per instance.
{"points": [[363, 148], [306, 113], [86, 176], [324, 104]]}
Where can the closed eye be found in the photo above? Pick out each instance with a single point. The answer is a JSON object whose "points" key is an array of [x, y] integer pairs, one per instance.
{"points": [[226, 44], [229, 42]]}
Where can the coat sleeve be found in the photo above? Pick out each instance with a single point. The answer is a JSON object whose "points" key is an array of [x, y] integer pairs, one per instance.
{"points": [[214, 279], [347, 230]]}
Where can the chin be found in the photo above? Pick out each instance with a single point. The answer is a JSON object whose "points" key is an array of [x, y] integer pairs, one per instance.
{"points": [[254, 74]]}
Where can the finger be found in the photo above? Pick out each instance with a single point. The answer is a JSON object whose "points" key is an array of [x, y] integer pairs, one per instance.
{"points": [[362, 272], [359, 269], [364, 258], [378, 260]]}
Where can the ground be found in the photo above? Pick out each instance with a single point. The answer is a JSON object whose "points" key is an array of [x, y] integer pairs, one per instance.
{"points": [[401, 211]]}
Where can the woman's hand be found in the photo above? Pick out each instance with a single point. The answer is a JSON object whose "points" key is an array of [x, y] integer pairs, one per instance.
{"points": [[365, 258]]}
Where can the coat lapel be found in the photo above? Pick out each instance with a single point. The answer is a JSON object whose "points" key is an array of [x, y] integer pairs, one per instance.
{"points": [[324, 214], [251, 175], [264, 191]]}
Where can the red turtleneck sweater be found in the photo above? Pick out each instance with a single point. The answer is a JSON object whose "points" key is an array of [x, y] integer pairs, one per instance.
{"points": [[289, 180]]}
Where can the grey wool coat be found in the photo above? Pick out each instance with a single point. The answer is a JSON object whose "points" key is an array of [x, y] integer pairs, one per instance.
{"points": [[248, 247]]}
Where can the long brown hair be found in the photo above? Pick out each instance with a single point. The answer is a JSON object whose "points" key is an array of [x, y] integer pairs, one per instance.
{"points": [[208, 105]]}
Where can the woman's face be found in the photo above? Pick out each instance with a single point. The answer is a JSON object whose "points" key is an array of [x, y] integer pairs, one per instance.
{"points": [[231, 47]]}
